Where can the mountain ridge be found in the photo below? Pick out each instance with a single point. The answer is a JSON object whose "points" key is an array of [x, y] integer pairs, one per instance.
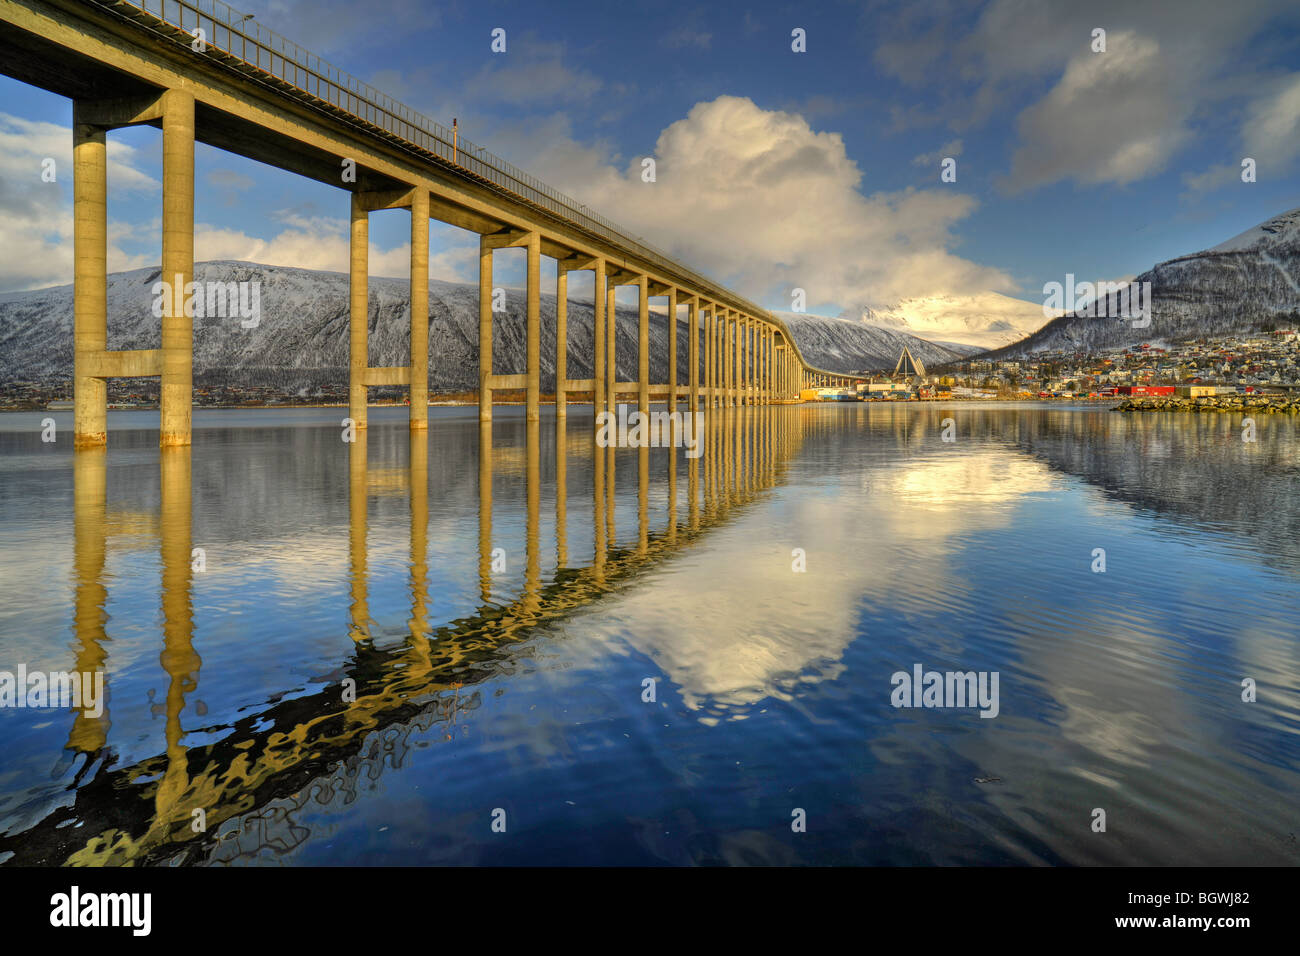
{"points": [[301, 340]]}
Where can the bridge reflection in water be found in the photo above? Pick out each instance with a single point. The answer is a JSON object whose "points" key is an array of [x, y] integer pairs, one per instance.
{"points": [[224, 798]]}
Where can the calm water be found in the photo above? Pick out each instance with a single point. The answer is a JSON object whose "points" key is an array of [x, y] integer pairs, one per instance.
{"points": [[381, 657]]}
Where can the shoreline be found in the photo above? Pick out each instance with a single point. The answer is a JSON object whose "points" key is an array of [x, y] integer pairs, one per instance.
{"points": [[472, 403], [1279, 404]]}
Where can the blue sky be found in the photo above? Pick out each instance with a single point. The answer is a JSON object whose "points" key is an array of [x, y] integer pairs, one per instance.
{"points": [[775, 168]]}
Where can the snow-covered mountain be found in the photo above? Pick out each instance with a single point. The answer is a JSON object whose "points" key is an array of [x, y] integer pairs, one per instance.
{"points": [[988, 320], [301, 340], [836, 344], [1249, 283]]}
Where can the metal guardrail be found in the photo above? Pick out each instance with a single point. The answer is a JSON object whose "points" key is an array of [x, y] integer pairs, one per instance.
{"points": [[260, 50]]}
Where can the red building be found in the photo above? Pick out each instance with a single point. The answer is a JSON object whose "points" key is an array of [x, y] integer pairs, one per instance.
{"points": [[1145, 390]]}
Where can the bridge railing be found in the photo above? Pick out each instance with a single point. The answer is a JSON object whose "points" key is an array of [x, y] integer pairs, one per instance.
{"points": [[263, 50]]}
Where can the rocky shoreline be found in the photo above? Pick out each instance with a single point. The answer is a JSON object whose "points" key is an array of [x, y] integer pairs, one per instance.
{"points": [[1216, 403]]}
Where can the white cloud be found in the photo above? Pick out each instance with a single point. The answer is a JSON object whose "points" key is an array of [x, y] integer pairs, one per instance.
{"points": [[1271, 133], [952, 149], [1114, 117], [1170, 68], [759, 200], [36, 241]]}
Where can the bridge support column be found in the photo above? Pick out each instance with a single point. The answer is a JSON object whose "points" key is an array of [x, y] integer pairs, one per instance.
{"points": [[358, 311], [672, 350], [643, 348], [90, 278], [768, 387], [534, 327], [419, 389], [693, 352], [733, 358], [599, 396], [611, 350], [485, 249], [177, 266], [561, 355], [720, 358], [742, 360], [709, 333], [751, 380]]}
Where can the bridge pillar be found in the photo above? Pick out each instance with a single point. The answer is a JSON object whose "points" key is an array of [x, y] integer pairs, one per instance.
{"points": [[561, 355], [534, 327], [733, 358], [599, 396], [768, 388], [90, 278], [173, 110], [419, 389], [751, 360], [643, 347], [485, 331], [358, 310], [672, 350], [709, 332], [177, 266], [733, 344], [720, 357], [693, 352], [611, 352], [742, 360]]}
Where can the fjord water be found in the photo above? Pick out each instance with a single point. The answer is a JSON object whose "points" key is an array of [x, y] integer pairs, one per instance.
{"points": [[498, 642]]}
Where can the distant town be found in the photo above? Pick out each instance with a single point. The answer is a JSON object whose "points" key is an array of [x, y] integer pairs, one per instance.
{"points": [[1260, 362]]}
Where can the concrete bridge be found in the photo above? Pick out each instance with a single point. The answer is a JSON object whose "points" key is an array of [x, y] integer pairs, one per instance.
{"points": [[249, 91]]}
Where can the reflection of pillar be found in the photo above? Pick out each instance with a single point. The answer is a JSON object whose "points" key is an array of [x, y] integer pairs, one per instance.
{"points": [[672, 350], [90, 278], [561, 493], [177, 266], [672, 482], [611, 534], [729, 457], [598, 509], [359, 307], [484, 330], [90, 488], [533, 346], [693, 490], [643, 498], [419, 466], [358, 495], [532, 537], [485, 510], [178, 657], [419, 392]]}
